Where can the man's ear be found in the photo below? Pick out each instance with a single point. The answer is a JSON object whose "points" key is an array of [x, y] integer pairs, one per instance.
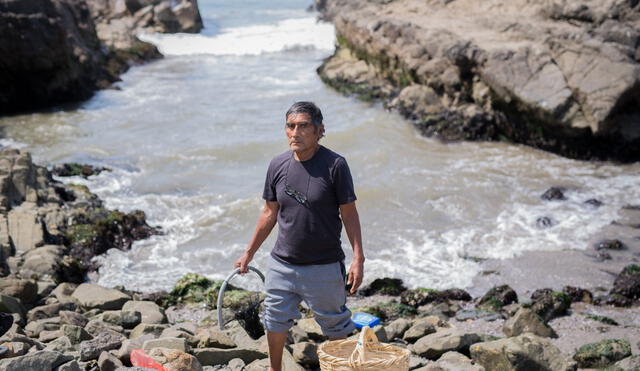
{"points": [[321, 130]]}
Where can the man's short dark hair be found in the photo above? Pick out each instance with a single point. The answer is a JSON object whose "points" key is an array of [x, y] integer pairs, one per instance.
{"points": [[309, 108]]}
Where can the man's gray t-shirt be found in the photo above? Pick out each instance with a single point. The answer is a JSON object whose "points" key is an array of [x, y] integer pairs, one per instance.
{"points": [[309, 232]]}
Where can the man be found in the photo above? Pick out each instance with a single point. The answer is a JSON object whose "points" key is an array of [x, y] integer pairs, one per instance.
{"points": [[308, 190]]}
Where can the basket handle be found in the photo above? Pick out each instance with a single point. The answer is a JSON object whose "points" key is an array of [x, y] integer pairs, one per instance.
{"points": [[366, 339]]}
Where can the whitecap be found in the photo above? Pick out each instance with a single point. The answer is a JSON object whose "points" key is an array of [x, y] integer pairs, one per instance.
{"points": [[287, 35]]}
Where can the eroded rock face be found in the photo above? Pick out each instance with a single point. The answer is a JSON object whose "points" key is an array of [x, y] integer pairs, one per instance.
{"points": [[524, 352], [51, 53], [57, 51], [530, 75]]}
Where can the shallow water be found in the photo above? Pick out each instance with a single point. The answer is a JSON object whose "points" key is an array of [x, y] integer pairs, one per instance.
{"points": [[189, 138]]}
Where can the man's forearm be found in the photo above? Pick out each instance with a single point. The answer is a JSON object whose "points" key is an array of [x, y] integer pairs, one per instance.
{"points": [[266, 222], [352, 227]]}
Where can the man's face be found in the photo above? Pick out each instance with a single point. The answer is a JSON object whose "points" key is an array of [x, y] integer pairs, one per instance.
{"points": [[301, 133]]}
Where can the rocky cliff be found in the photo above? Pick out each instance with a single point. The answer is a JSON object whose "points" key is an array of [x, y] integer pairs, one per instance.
{"points": [[57, 51], [559, 75], [53, 230]]}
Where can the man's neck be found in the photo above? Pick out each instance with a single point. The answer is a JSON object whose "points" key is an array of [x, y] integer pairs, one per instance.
{"points": [[306, 154]]}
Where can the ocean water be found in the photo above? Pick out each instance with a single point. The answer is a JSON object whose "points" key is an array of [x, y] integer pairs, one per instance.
{"points": [[189, 138]]}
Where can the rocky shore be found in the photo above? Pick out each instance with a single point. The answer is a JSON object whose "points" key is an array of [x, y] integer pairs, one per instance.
{"points": [[52, 230], [61, 51], [560, 75]]}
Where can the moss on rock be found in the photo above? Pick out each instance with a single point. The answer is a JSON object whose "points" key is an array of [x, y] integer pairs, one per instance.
{"points": [[603, 353]]}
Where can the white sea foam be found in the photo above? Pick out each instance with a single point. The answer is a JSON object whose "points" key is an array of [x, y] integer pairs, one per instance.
{"points": [[289, 34], [10, 143]]}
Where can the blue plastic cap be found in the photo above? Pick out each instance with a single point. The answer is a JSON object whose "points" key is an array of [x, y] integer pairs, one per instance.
{"points": [[364, 319]]}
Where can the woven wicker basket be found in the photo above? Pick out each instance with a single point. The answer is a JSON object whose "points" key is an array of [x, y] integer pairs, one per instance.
{"points": [[364, 354]]}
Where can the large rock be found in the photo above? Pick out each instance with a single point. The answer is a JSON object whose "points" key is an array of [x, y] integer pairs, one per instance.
{"points": [[525, 320], [627, 283], [91, 349], [550, 304], [397, 328], [603, 353], [420, 328], [452, 361], [42, 261], [521, 353], [94, 296], [497, 297], [530, 76], [145, 329], [167, 343], [50, 310], [40, 360], [25, 290], [47, 38], [215, 356], [150, 311], [434, 345], [172, 359]]}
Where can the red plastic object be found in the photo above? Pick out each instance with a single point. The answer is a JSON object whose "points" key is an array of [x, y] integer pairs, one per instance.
{"points": [[140, 359]]}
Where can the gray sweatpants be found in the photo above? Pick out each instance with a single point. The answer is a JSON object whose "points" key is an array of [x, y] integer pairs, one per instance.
{"points": [[320, 286]]}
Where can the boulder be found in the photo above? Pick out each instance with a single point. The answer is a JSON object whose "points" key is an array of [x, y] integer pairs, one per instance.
{"points": [[94, 296], [434, 345], [175, 360], [288, 363], [167, 343], [215, 356], [105, 341], [549, 304], [75, 334], [420, 328], [9, 304], [64, 292], [150, 311], [524, 352], [108, 362], [95, 327], [629, 363], [497, 297], [384, 286], [146, 328], [50, 310], [70, 366], [421, 296], [211, 338], [188, 16], [24, 290], [452, 361], [603, 353], [397, 328], [627, 283], [34, 328], [578, 294], [25, 227], [39, 360], [61, 344], [525, 320], [42, 261], [312, 329], [125, 318], [72, 318]]}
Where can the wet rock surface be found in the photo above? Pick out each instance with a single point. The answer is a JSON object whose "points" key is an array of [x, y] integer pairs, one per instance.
{"points": [[58, 51], [535, 75]]}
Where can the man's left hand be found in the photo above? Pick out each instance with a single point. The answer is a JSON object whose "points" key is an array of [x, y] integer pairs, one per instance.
{"points": [[356, 273]]}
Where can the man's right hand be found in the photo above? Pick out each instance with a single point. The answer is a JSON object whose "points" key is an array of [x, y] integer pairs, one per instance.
{"points": [[243, 263]]}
